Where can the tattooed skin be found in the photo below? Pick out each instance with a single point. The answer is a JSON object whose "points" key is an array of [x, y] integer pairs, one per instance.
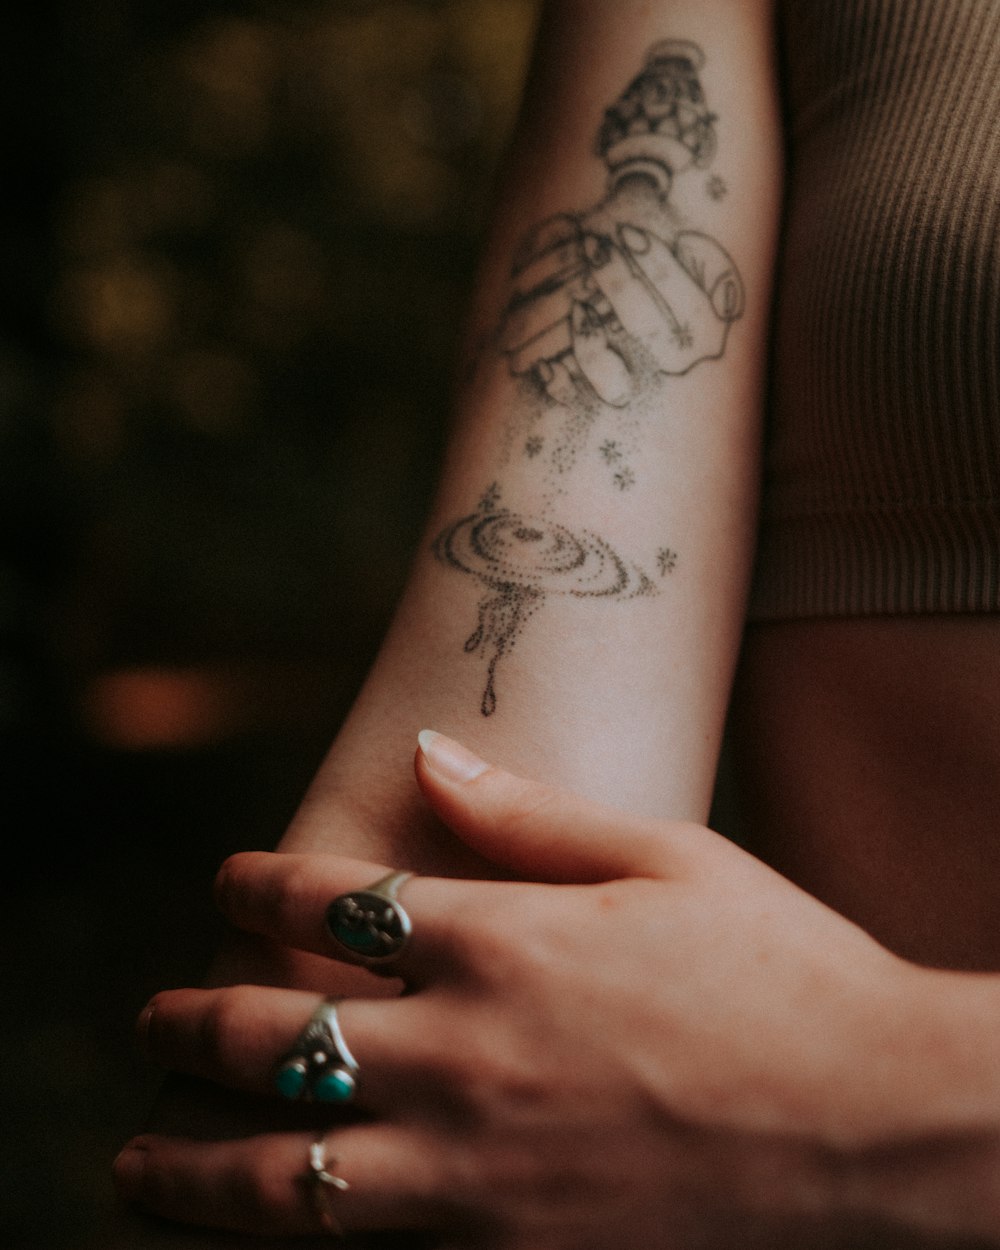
{"points": [[604, 304], [603, 297], [520, 560]]}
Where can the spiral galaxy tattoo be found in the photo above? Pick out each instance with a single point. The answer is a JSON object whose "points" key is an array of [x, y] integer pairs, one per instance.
{"points": [[520, 560]]}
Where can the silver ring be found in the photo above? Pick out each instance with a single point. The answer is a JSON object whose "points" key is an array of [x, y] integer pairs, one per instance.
{"points": [[321, 1181], [371, 924], [320, 1066]]}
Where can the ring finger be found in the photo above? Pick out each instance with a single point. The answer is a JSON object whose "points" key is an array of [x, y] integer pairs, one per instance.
{"points": [[238, 1035]]}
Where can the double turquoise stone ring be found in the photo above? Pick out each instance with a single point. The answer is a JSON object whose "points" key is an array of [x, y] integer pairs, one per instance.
{"points": [[371, 925], [319, 1067]]}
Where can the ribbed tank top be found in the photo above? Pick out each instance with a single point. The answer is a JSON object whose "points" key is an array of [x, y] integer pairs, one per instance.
{"points": [[882, 459]]}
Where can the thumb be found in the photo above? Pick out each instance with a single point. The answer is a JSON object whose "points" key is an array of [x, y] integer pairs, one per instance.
{"points": [[537, 831]]}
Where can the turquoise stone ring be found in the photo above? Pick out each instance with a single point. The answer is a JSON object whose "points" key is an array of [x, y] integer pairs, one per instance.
{"points": [[319, 1067]]}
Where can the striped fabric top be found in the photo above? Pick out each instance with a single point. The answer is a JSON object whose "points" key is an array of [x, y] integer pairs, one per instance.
{"points": [[882, 466]]}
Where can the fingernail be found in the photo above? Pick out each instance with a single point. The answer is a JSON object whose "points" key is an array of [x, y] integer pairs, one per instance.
{"points": [[142, 1027], [450, 758], [637, 241], [130, 1165]]}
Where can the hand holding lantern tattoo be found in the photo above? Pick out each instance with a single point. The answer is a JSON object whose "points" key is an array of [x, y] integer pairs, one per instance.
{"points": [[603, 303], [597, 295]]}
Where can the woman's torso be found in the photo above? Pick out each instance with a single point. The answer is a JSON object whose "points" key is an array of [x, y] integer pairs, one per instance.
{"points": [[869, 702]]}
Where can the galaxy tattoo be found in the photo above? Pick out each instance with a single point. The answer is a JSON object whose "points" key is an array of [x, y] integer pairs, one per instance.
{"points": [[604, 305]]}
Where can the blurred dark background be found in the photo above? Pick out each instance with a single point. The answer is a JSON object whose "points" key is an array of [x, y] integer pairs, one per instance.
{"points": [[236, 243]]}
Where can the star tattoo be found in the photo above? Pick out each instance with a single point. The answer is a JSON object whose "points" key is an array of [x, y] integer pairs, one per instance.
{"points": [[666, 560]]}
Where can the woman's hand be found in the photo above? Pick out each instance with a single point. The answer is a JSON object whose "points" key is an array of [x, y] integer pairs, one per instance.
{"points": [[666, 1044]]}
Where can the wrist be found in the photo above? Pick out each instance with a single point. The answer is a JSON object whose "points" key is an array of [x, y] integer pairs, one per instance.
{"points": [[928, 1160]]}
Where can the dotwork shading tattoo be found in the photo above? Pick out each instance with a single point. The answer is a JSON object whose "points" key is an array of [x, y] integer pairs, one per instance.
{"points": [[604, 304], [533, 445]]}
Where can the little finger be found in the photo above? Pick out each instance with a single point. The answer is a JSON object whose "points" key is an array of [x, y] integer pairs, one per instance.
{"points": [[271, 1185]]}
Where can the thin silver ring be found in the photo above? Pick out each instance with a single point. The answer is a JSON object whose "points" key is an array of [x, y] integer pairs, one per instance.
{"points": [[371, 924], [320, 1066], [321, 1181]]}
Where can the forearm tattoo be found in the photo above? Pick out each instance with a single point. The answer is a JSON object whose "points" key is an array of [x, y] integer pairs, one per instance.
{"points": [[604, 305]]}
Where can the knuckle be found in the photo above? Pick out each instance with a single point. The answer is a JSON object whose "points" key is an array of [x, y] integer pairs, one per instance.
{"points": [[493, 950], [517, 1085], [285, 892], [246, 886], [494, 1077], [228, 881], [224, 1030], [517, 955], [261, 893], [527, 806], [266, 1199]]}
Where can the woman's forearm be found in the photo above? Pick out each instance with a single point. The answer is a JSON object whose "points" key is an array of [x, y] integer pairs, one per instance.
{"points": [[576, 603]]}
